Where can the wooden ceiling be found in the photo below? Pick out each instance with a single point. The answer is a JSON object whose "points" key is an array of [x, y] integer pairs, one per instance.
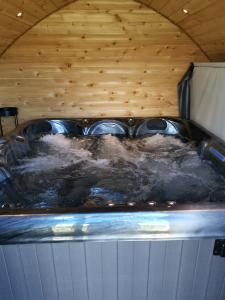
{"points": [[111, 58], [204, 21]]}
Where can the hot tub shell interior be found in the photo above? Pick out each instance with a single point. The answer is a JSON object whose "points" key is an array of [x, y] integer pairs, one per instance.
{"points": [[143, 221]]}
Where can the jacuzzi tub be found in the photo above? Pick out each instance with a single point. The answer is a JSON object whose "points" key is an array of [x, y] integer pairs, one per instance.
{"points": [[109, 214]]}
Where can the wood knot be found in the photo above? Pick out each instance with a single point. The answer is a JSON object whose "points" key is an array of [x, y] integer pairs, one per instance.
{"points": [[90, 84], [118, 18]]}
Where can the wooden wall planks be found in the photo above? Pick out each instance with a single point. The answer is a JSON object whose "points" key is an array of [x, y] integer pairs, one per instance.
{"points": [[100, 59], [204, 21]]}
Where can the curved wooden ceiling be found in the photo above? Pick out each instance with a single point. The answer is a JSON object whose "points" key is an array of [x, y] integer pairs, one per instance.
{"points": [[203, 21]]}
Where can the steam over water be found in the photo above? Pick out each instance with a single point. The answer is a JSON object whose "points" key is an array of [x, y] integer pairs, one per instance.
{"points": [[99, 171]]}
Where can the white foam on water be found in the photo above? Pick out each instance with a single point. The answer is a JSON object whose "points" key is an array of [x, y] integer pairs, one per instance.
{"points": [[40, 163], [58, 141], [157, 167], [64, 152], [159, 140]]}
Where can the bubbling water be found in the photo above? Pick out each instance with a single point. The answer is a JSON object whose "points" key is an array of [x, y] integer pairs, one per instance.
{"points": [[96, 171]]}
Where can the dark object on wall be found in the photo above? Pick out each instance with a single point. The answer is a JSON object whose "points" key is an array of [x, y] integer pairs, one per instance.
{"points": [[184, 94], [219, 248], [8, 112]]}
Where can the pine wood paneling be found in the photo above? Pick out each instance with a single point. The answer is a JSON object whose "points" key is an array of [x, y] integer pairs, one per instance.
{"points": [[206, 16], [104, 58]]}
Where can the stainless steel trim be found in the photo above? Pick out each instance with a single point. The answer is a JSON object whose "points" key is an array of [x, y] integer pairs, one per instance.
{"points": [[151, 225]]}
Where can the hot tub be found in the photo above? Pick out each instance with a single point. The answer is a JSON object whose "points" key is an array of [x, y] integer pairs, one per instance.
{"points": [[105, 179]]}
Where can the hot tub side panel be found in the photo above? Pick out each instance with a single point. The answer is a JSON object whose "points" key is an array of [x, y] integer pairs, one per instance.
{"points": [[162, 270]]}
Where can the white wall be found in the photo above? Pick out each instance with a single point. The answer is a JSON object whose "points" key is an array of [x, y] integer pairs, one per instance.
{"points": [[208, 97]]}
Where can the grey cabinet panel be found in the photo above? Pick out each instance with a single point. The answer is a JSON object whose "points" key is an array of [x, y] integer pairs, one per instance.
{"points": [[31, 271], [61, 257], [5, 292], [123, 270], [79, 270], [16, 273], [47, 271], [189, 255]]}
